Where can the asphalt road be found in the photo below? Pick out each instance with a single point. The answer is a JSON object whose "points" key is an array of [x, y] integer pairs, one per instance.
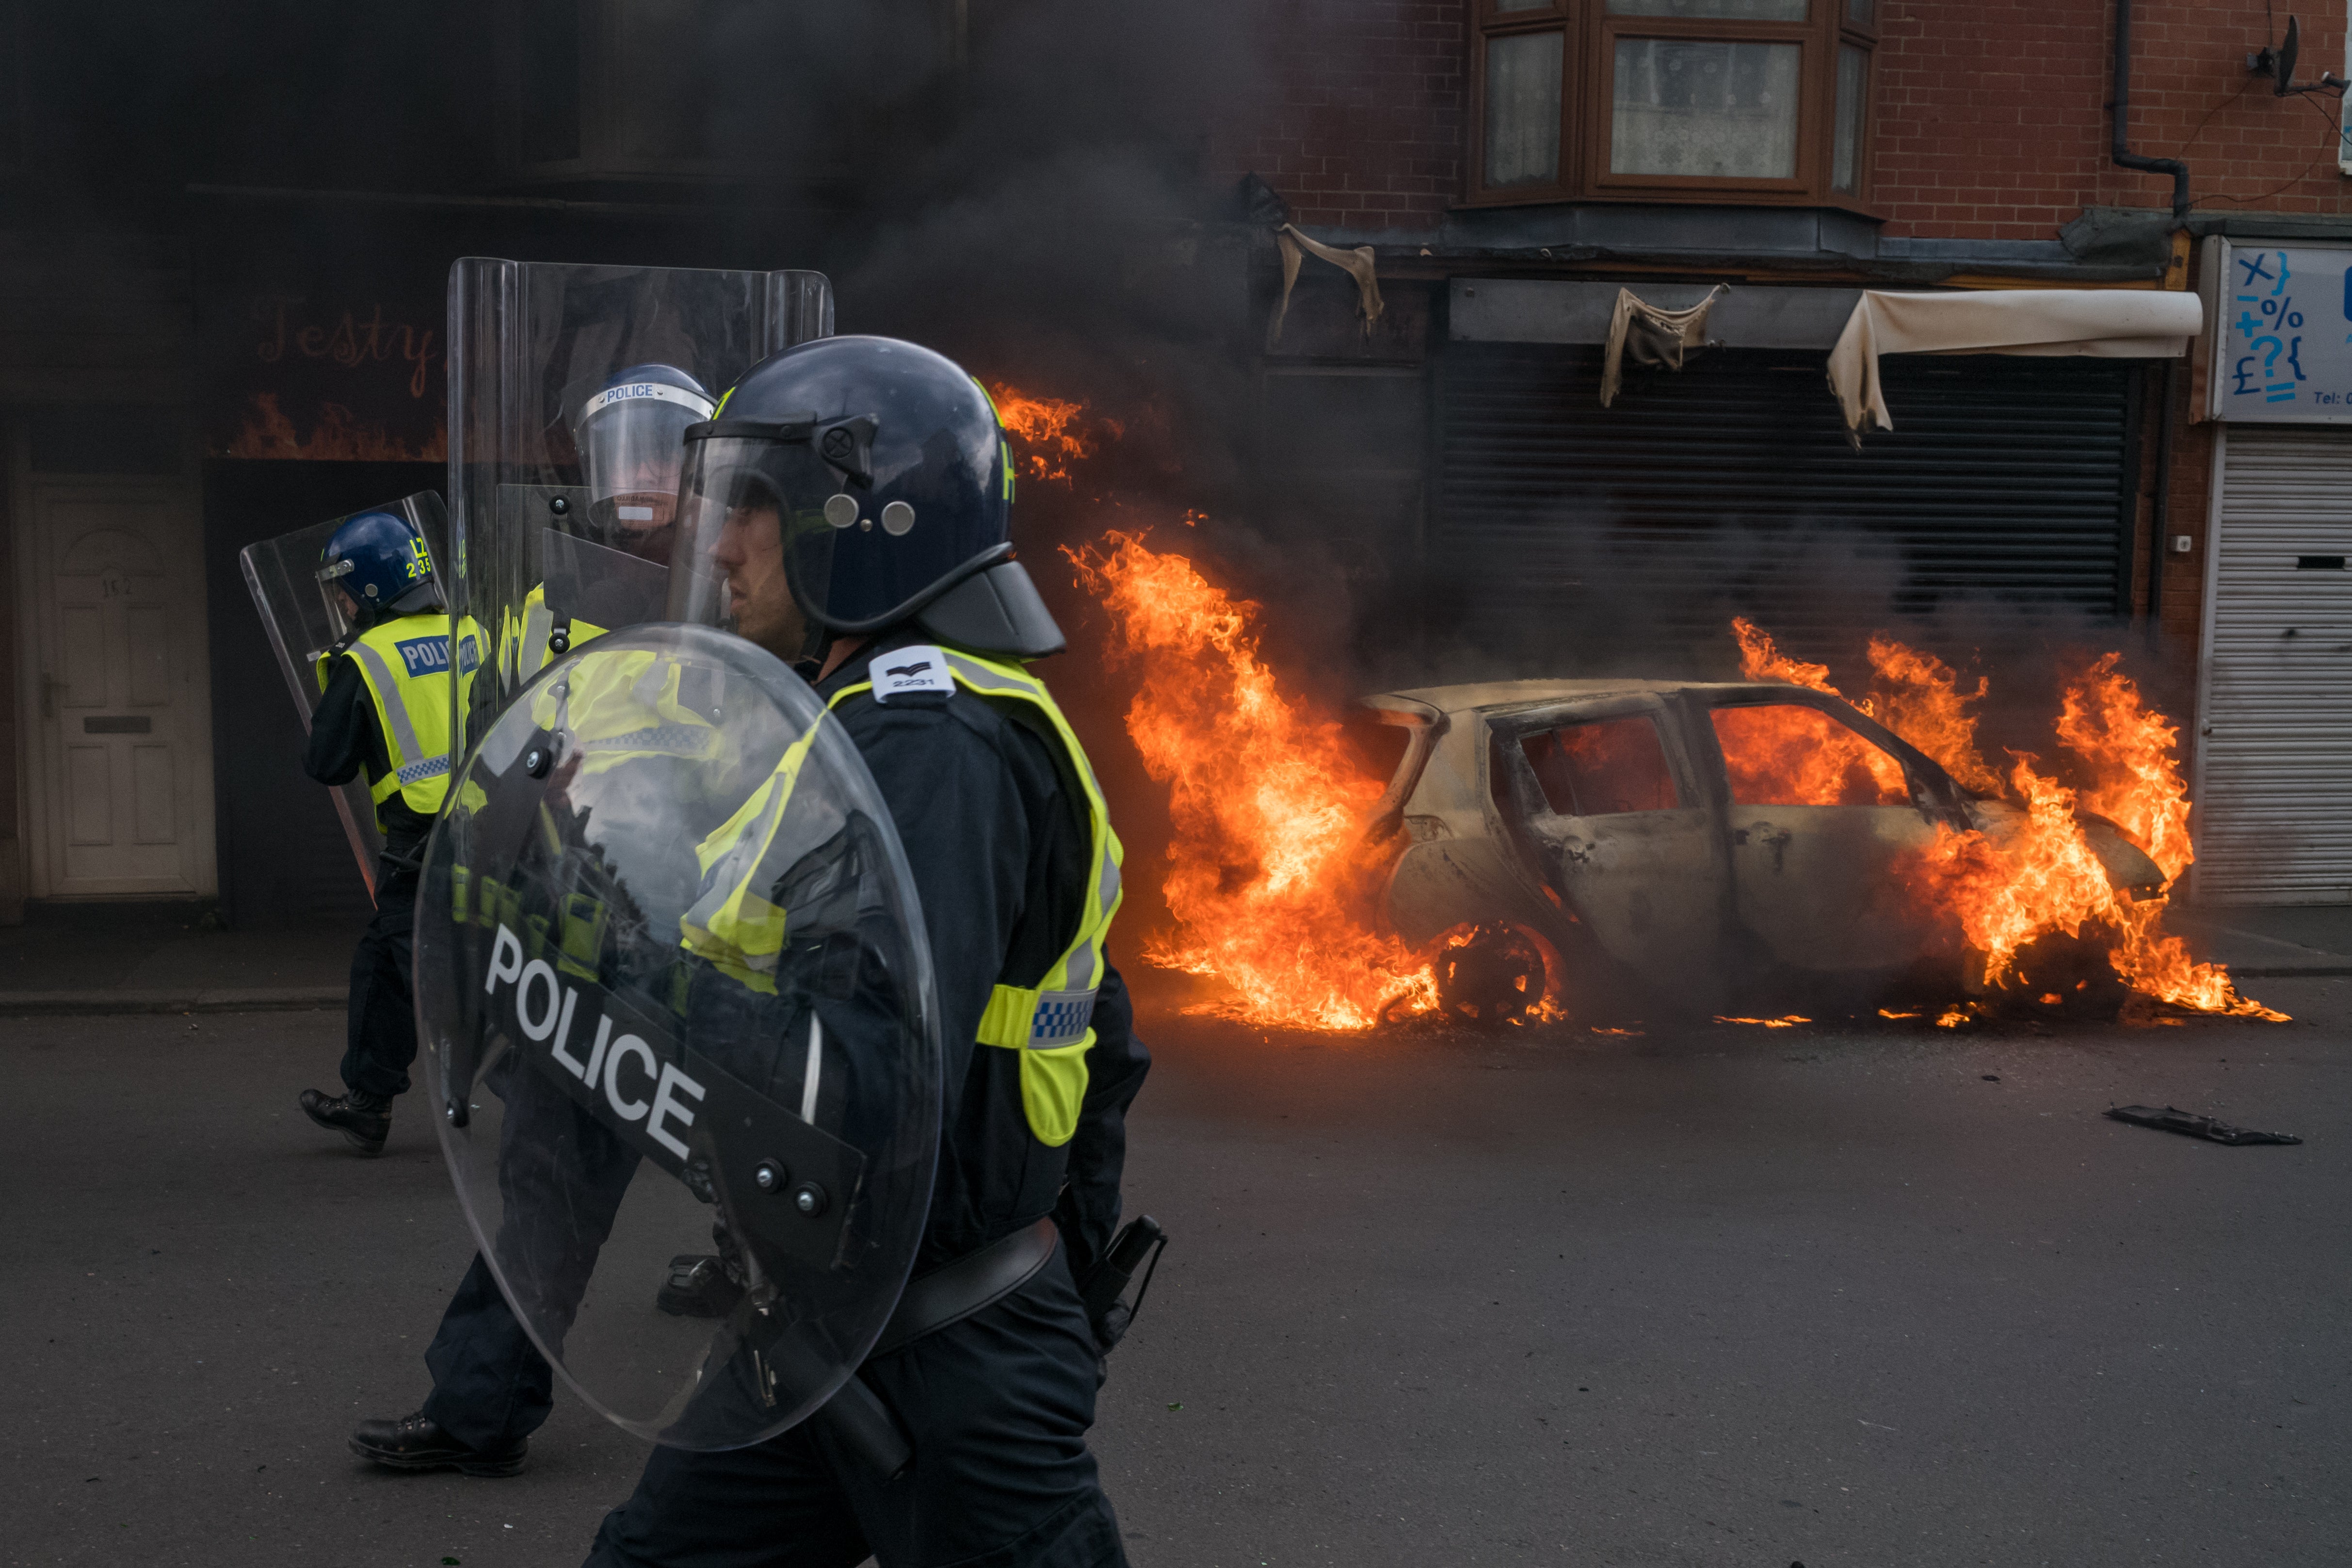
{"points": [[1734, 1297]]}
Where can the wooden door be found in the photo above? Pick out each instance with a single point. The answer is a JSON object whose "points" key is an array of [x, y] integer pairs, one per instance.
{"points": [[121, 770]]}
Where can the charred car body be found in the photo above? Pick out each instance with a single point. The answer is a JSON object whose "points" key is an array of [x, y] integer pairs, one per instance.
{"points": [[1668, 845]]}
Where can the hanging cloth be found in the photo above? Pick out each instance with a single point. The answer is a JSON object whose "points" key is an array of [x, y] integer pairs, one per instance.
{"points": [[1356, 263], [1653, 336]]}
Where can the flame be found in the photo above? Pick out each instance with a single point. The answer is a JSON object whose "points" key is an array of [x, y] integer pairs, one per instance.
{"points": [[1761, 660], [1917, 696], [1885, 1012], [268, 433], [1790, 1021], [1049, 431], [2045, 878], [1264, 879], [1782, 754], [2133, 752]]}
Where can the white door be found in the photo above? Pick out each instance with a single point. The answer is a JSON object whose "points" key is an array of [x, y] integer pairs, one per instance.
{"points": [[2274, 787], [121, 765]]}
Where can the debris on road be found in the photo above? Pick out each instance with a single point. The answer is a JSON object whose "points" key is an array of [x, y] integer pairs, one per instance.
{"points": [[2171, 1118]]}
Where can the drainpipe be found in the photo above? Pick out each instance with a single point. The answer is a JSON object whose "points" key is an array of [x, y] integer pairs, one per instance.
{"points": [[2124, 156], [2160, 519]]}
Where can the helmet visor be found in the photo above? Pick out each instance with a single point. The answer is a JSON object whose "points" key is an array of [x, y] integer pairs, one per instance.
{"points": [[760, 521], [337, 597]]}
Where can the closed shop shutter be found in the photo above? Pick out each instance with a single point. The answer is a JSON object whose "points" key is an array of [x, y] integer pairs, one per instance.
{"points": [[2274, 789], [1609, 537]]}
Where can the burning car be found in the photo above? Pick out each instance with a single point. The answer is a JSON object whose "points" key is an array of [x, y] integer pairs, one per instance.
{"points": [[1674, 841]]}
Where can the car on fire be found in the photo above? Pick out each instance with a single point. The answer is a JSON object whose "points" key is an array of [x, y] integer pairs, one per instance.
{"points": [[1671, 845]]}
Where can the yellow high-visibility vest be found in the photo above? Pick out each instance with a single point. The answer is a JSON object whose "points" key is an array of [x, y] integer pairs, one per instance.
{"points": [[404, 662], [1050, 1024]]}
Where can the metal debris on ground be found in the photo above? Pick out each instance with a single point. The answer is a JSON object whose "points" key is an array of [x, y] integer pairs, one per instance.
{"points": [[2173, 1119]]}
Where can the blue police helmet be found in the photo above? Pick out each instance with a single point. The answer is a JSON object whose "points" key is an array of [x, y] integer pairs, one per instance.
{"points": [[883, 463], [381, 560]]}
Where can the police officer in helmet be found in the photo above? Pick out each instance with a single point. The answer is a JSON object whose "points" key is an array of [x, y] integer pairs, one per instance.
{"points": [[491, 1387], [849, 506], [386, 710], [628, 433]]}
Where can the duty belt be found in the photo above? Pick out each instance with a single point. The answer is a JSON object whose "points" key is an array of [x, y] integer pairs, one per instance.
{"points": [[946, 1296]]}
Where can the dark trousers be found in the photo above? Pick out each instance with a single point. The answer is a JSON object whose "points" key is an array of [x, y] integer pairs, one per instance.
{"points": [[381, 1037], [491, 1385], [560, 1179], [997, 1406]]}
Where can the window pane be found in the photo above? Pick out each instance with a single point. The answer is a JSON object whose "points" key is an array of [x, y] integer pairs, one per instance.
{"points": [[1705, 109], [1861, 13], [1522, 5], [1523, 108], [1778, 754], [1604, 767], [1854, 74], [1746, 10]]}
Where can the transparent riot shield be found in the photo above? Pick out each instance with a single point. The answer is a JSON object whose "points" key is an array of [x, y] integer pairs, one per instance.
{"points": [[544, 359], [282, 575], [673, 998]]}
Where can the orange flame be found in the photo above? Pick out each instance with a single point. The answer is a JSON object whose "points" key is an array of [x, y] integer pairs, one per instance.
{"points": [[1264, 879], [1917, 696], [268, 433], [1049, 429], [2044, 878], [1782, 754]]}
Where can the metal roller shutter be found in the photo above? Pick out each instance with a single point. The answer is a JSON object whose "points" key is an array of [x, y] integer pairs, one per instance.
{"points": [[1612, 535], [2274, 785]]}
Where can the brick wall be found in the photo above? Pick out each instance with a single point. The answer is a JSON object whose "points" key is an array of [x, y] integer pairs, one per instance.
{"points": [[1993, 123], [1364, 125], [1991, 114]]}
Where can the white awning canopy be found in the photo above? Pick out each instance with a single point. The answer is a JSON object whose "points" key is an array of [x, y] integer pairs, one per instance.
{"points": [[2108, 323]]}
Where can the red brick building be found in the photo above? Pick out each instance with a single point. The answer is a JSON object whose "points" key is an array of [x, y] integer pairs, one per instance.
{"points": [[1512, 162]]}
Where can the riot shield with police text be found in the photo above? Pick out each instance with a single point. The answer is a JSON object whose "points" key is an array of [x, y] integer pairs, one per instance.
{"points": [[674, 999], [301, 623], [569, 387]]}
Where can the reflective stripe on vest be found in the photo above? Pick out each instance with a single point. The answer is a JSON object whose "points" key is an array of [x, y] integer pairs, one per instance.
{"points": [[1050, 1024], [411, 710], [733, 925], [626, 705]]}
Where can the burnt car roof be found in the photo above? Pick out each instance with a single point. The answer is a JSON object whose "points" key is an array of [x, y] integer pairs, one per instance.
{"points": [[1490, 694]]}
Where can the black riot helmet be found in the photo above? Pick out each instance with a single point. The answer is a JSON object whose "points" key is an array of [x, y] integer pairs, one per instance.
{"points": [[847, 486]]}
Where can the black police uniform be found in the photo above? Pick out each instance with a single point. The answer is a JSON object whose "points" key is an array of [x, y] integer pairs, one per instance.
{"points": [[345, 737], [997, 1405]]}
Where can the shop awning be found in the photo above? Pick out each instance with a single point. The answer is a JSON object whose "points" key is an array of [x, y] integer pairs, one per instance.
{"points": [[2106, 323]]}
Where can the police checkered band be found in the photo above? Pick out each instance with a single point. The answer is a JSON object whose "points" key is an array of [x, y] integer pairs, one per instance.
{"points": [[664, 739], [1061, 1019], [430, 768], [645, 391]]}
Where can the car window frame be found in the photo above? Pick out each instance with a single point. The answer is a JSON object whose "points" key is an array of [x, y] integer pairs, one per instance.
{"points": [[1934, 793], [1507, 730]]}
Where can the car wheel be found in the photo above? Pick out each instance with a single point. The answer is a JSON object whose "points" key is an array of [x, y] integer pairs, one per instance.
{"points": [[1496, 976]]}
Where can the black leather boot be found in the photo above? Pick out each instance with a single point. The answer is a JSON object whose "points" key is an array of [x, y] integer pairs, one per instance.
{"points": [[364, 1120], [417, 1443]]}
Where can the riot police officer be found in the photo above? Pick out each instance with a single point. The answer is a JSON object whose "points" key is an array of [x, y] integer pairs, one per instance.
{"points": [[491, 1387], [386, 710], [851, 506]]}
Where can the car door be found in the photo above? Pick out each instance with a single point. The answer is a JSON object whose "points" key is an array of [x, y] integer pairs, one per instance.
{"points": [[1822, 820], [1608, 803]]}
